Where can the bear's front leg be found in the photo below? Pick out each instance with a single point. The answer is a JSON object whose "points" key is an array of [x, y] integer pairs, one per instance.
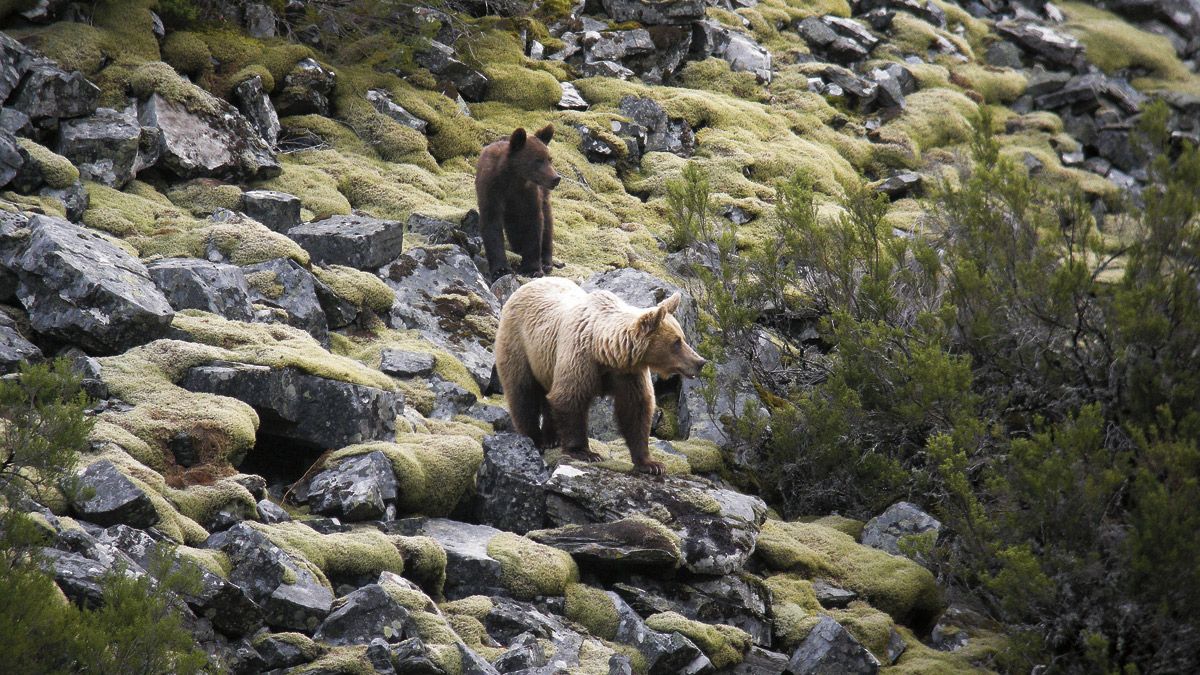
{"points": [[633, 406]]}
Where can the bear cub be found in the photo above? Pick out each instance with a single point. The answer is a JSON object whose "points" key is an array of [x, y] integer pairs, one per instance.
{"points": [[513, 180], [559, 347]]}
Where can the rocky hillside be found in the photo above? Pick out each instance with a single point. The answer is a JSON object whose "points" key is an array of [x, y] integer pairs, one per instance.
{"points": [[251, 228]]}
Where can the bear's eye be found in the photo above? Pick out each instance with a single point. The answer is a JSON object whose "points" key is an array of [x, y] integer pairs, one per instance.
{"points": [[678, 343]]}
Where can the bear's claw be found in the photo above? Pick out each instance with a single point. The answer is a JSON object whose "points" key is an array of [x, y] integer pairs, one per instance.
{"points": [[652, 468], [585, 455]]}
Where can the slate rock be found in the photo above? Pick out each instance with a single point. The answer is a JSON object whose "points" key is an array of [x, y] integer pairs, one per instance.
{"points": [[278, 652], [356, 488], [494, 415], [292, 598], [104, 146], [469, 568], [360, 242], [74, 199], [413, 657], [1003, 54], [524, 653], [15, 122], [759, 661], [302, 407], [464, 234], [12, 158], [259, 20], [211, 142], [270, 513], [830, 650], [654, 12], [441, 60], [716, 538], [740, 51], [820, 36], [80, 578], [903, 184], [571, 98], [663, 653], [509, 620], [406, 364], [113, 498], [382, 101], [279, 211], [738, 600], [662, 134], [296, 294], [900, 520], [81, 289], [698, 419], [509, 483], [832, 597], [48, 93], [14, 63], [474, 664], [14, 348], [922, 9], [889, 94], [191, 283], [362, 616], [306, 89], [627, 545], [441, 294], [255, 104], [450, 399], [1054, 47]]}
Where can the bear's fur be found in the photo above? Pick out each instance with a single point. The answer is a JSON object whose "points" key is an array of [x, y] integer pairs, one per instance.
{"points": [[513, 180], [558, 348]]}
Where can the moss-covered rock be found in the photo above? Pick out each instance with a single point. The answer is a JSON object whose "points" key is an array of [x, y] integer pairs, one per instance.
{"points": [[56, 170], [896, 585], [593, 609], [529, 569], [433, 472], [204, 196], [424, 562], [363, 552], [724, 645]]}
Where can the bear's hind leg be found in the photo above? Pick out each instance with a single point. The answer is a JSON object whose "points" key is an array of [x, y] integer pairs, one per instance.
{"points": [[549, 430]]}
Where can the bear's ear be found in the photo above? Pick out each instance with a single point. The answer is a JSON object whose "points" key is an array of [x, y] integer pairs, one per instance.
{"points": [[671, 304], [650, 320], [517, 140], [545, 134]]}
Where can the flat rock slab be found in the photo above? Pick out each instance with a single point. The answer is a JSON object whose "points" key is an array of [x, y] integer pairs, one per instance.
{"points": [[354, 241], [469, 568], [628, 545], [314, 410], [718, 527], [402, 363], [441, 294], [80, 288], [192, 283], [279, 211], [664, 653]]}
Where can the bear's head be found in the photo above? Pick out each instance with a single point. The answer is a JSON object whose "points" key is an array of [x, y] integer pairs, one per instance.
{"points": [[667, 352], [529, 157]]}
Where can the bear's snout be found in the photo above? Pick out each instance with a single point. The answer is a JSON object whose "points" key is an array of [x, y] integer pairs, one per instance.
{"points": [[555, 181]]}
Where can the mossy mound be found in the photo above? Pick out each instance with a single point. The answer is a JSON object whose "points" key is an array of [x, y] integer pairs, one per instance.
{"points": [[933, 118], [593, 609], [724, 645], [56, 170], [204, 196], [529, 569], [202, 502], [896, 585], [361, 289], [868, 625], [434, 472], [1113, 45], [795, 607], [424, 562], [363, 552]]}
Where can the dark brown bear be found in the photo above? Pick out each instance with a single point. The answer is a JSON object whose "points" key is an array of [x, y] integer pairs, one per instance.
{"points": [[513, 181]]}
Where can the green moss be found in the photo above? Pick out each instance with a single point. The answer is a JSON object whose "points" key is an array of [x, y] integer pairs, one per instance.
{"points": [[424, 562], [529, 569], [130, 213], [202, 502], [367, 348], [896, 585], [187, 53], [241, 240], [911, 35], [434, 472], [364, 551], [724, 645], [50, 206], [210, 560], [316, 189], [918, 659], [128, 28], [265, 282], [795, 606], [361, 289], [159, 78], [477, 606], [309, 649], [868, 625], [593, 609], [204, 196], [522, 87], [932, 118], [1114, 44], [55, 169], [73, 45], [995, 85], [703, 456], [713, 74], [340, 660]]}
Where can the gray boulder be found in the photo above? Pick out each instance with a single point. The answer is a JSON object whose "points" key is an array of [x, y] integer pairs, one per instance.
{"points": [[14, 348], [14, 62], [922, 9], [821, 36], [654, 12], [700, 418], [74, 199], [302, 407], [571, 98], [48, 93], [293, 289], [355, 241], [279, 211], [406, 364], [718, 527], [191, 283], [441, 60], [382, 101], [291, 597], [900, 520], [903, 184], [663, 653], [739, 600], [211, 142], [306, 89], [270, 513], [524, 653], [279, 652], [80, 288], [259, 20], [255, 104], [832, 597], [441, 294], [661, 133], [104, 146], [469, 568], [12, 159], [1045, 43], [356, 488], [80, 578], [830, 650], [366, 614], [107, 497], [509, 484], [509, 620], [759, 661], [741, 51]]}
